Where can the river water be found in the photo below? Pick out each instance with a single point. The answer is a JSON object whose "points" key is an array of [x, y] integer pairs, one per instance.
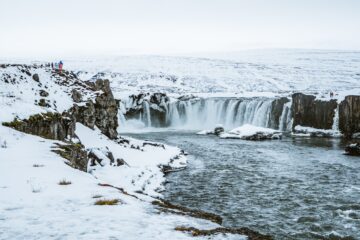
{"points": [[294, 188]]}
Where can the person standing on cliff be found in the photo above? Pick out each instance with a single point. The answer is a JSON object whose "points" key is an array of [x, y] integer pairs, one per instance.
{"points": [[60, 66]]}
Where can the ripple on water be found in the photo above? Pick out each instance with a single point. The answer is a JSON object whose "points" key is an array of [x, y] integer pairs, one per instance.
{"points": [[293, 189]]}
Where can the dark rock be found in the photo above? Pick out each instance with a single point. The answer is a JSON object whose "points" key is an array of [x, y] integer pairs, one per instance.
{"points": [[251, 234], [48, 125], [75, 154], [85, 114], [102, 113], [186, 97], [76, 96], [307, 111], [110, 156], [106, 110], [263, 136], [36, 77], [120, 162], [218, 130], [277, 107], [94, 159], [349, 116], [187, 211], [43, 103], [353, 149], [157, 103], [153, 144], [43, 93]]}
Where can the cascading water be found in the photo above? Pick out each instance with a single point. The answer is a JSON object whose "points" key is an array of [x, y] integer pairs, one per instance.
{"points": [[285, 121], [335, 125], [147, 114], [199, 114], [206, 113]]}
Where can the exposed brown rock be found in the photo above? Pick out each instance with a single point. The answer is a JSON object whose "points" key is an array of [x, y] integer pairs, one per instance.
{"points": [[48, 125], [349, 115], [309, 112]]}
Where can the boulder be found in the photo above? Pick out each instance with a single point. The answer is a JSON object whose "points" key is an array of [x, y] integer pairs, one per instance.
{"points": [[75, 153], [76, 96], [218, 130], [36, 77], [43, 93], [307, 111], [353, 149], [43, 103], [254, 133], [349, 115]]}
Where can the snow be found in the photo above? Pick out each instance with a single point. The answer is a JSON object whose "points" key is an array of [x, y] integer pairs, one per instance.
{"points": [[254, 73], [309, 131], [143, 173], [205, 132], [34, 206], [18, 99], [247, 130]]}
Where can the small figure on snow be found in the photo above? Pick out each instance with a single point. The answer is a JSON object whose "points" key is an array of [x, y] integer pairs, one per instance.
{"points": [[60, 66]]}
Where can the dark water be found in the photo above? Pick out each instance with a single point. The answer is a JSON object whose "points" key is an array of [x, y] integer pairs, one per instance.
{"points": [[296, 188]]}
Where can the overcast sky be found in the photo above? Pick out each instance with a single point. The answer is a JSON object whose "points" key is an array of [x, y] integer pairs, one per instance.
{"points": [[71, 27]]}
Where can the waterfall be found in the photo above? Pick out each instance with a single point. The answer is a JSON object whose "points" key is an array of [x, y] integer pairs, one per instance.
{"points": [[285, 122], [335, 125], [207, 113], [121, 116], [200, 114], [147, 114]]}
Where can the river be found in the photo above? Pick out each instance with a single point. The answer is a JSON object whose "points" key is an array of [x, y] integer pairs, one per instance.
{"points": [[294, 188]]}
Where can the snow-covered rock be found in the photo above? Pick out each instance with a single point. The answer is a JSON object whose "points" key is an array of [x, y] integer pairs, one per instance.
{"points": [[353, 149], [314, 132], [250, 132]]}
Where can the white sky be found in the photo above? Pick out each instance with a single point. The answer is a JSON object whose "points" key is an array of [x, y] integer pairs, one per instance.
{"points": [[71, 27]]}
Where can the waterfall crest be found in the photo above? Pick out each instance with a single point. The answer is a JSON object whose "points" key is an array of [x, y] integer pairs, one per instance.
{"points": [[199, 114], [207, 113]]}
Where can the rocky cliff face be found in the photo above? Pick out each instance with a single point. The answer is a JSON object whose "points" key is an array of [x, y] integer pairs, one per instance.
{"points": [[307, 111], [49, 125], [100, 112], [154, 105], [277, 108], [349, 115]]}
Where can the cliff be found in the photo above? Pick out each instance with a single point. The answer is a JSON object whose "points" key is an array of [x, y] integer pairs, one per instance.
{"points": [[349, 116], [310, 112]]}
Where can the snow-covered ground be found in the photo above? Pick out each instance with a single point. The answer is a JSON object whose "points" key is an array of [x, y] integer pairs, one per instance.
{"points": [[20, 94], [33, 205], [248, 73]]}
